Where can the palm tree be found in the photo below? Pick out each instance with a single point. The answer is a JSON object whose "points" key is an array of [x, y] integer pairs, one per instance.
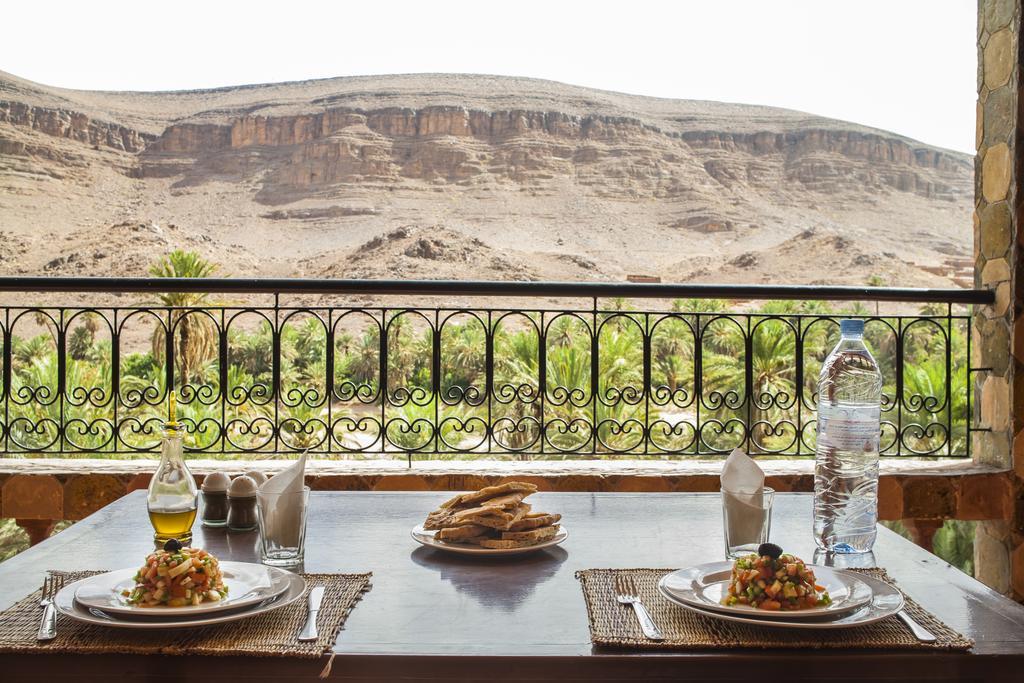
{"points": [[515, 370], [772, 394], [464, 347], [196, 332], [25, 352], [364, 359]]}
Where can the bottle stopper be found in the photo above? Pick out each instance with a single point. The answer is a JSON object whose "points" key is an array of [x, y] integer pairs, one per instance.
{"points": [[172, 412]]}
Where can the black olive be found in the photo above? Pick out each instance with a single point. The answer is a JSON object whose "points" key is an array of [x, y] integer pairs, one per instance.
{"points": [[770, 549], [173, 546]]}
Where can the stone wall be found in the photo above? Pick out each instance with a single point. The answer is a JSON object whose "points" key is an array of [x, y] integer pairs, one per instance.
{"points": [[998, 330]]}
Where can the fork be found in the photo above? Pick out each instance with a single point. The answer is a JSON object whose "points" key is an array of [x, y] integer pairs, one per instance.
{"points": [[627, 594], [48, 624]]}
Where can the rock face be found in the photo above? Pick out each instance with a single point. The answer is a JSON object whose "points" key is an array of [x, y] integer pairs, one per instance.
{"points": [[73, 125], [454, 144], [614, 180]]}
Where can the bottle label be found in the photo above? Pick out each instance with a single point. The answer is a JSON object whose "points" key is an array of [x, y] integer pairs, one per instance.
{"points": [[847, 428]]}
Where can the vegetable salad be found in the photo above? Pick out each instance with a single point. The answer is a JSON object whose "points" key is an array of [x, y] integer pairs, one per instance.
{"points": [[775, 583], [176, 578]]}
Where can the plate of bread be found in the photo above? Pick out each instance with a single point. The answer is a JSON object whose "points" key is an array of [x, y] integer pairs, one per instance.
{"points": [[491, 521]]}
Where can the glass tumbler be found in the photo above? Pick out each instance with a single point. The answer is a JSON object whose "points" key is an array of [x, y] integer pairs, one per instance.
{"points": [[282, 525], [747, 519]]}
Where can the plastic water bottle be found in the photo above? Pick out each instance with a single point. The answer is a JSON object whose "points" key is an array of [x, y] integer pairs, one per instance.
{"points": [[846, 467]]}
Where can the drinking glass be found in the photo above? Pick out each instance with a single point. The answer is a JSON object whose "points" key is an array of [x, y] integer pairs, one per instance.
{"points": [[747, 521], [282, 524]]}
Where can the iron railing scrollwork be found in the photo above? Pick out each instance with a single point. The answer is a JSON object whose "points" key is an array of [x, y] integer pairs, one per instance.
{"points": [[602, 380]]}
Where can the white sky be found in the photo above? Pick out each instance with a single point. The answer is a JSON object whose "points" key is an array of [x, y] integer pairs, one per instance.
{"points": [[903, 65]]}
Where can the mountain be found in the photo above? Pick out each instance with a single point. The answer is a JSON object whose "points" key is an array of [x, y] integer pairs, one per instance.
{"points": [[470, 177]]}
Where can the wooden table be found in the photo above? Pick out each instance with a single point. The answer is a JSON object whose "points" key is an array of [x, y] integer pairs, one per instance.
{"points": [[433, 615]]}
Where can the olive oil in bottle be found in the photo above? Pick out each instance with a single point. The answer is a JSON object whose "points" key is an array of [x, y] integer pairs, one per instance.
{"points": [[173, 497], [168, 524]]}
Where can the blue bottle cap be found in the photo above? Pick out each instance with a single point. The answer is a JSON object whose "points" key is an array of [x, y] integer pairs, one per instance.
{"points": [[851, 328]]}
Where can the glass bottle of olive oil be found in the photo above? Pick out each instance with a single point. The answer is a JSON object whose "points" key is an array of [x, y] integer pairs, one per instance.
{"points": [[172, 490]]}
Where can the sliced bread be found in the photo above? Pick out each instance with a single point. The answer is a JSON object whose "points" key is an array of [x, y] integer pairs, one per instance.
{"points": [[458, 534], [533, 535], [535, 520]]}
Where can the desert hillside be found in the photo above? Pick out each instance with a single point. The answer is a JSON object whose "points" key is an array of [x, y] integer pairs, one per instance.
{"points": [[452, 176]]}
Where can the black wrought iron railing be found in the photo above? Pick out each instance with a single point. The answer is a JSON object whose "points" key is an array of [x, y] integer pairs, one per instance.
{"points": [[696, 370]]}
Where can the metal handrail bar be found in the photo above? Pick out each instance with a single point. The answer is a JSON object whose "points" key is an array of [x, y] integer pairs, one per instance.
{"points": [[600, 290]]}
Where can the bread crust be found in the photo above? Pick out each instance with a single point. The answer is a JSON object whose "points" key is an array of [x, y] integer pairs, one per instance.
{"points": [[505, 544], [495, 519], [469, 499], [535, 521], [459, 534], [533, 536], [453, 513]]}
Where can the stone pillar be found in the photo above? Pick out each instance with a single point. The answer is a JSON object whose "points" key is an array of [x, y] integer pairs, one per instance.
{"points": [[997, 340], [998, 335], [35, 501], [994, 226], [38, 530], [923, 531], [1015, 521], [991, 555]]}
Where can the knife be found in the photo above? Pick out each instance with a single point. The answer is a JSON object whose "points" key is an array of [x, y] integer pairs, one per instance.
{"points": [[309, 630]]}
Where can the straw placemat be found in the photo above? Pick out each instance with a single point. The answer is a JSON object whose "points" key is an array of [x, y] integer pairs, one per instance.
{"points": [[272, 634], [614, 625]]}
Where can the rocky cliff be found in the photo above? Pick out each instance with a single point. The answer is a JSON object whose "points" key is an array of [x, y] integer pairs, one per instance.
{"points": [[455, 144], [294, 174], [73, 125]]}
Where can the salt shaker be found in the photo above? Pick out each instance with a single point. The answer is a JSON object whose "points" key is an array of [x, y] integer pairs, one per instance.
{"points": [[215, 499], [257, 477], [242, 504]]}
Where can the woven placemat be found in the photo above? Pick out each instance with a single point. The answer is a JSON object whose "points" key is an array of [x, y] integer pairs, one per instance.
{"points": [[272, 634], [614, 625]]}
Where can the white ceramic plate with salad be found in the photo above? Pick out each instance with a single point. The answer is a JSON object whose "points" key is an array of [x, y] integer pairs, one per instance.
{"points": [[885, 602], [67, 605], [248, 584], [705, 586]]}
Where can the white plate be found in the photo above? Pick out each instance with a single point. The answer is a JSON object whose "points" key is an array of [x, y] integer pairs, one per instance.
{"points": [[248, 584], [427, 539], [65, 603], [885, 602], [705, 585]]}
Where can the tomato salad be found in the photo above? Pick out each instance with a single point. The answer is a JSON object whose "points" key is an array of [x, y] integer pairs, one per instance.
{"points": [[782, 582], [177, 578]]}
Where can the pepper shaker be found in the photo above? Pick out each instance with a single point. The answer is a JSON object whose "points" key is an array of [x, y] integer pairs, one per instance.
{"points": [[242, 504]]}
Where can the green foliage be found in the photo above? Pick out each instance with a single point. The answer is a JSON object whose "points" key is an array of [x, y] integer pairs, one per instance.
{"points": [[954, 543], [14, 540], [770, 335], [139, 365], [80, 343]]}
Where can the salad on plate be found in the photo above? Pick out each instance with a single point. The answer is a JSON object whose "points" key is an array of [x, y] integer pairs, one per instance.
{"points": [[774, 580], [177, 576]]}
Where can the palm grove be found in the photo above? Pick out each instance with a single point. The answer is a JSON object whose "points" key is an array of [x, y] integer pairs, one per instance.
{"points": [[456, 415]]}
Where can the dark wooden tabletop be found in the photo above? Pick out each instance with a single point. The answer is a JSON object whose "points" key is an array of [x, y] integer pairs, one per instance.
{"points": [[435, 615]]}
